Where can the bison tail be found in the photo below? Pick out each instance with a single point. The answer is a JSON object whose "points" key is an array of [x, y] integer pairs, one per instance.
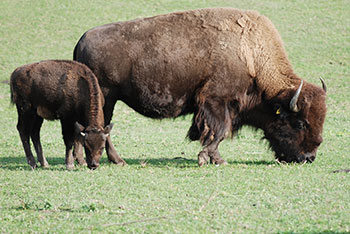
{"points": [[12, 91]]}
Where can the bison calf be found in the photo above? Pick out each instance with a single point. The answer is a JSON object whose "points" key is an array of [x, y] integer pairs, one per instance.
{"points": [[64, 90]]}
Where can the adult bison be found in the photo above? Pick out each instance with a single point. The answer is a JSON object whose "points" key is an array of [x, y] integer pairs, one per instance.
{"points": [[226, 66]]}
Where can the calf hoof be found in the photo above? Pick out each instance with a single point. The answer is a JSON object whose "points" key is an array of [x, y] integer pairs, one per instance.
{"points": [[70, 167], [45, 165], [219, 162], [202, 158], [82, 162], [32, 165]]}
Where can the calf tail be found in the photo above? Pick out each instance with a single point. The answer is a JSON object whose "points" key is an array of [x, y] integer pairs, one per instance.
{"points": [[17, 80], [12, 91]]}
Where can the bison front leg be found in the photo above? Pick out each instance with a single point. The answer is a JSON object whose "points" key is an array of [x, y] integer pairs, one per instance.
{"points": [[210, 125], [211, 152], [69, 155], [112, 154], [78, 152], [68, 138]]}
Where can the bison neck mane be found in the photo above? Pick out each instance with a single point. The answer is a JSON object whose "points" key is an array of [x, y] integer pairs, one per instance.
{"points": [[262, 50], [96, 118], [93, 113]]}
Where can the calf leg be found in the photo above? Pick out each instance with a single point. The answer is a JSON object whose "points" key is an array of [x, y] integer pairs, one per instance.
{"points": [[78, 153], [24, 127], [35, 136], [68, 138], [111, 151]]}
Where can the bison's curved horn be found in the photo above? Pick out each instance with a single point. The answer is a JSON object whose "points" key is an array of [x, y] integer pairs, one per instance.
{"points": [[293, 103], [324, 86]]}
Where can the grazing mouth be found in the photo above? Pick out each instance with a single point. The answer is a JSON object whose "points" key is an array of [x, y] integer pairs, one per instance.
{"points": [[92, 167], [301, 158]]}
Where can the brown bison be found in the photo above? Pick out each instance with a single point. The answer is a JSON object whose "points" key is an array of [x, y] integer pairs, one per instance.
{"points": [[64, 90], [226, 66]]}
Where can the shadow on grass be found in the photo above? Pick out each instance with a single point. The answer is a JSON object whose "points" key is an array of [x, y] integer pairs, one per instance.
{"points": [[313, 232], [184, 162], [252, 162], [163, 162], [19, 163]]}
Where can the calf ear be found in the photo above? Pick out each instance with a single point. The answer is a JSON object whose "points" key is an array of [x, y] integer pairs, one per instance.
{"points": [[108, 129], [79, 129]]}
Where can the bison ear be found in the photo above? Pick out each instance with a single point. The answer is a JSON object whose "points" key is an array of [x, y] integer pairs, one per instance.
{"points": [[108, 129], [79, 129], [306, 108]]}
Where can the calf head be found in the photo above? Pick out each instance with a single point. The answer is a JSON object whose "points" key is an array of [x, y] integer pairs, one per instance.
{"points": [[295, 128], [94, 141]]}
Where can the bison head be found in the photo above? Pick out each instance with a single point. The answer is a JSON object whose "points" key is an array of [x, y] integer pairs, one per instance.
{"points": [[295, 128], [94, 141]]}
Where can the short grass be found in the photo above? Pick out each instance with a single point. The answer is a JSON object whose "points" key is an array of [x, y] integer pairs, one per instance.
{"points": [[162, 190]]}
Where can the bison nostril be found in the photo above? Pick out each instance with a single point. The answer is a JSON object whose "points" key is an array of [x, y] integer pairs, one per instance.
{"points": [[300, 159], [310, 159], [93, 166]]}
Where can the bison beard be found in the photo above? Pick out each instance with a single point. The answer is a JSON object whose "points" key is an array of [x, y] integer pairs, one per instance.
{"points": [[226, 66]]}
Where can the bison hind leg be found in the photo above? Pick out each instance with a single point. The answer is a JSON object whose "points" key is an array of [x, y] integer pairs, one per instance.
{"points": [[24, 127], [35, 136]]}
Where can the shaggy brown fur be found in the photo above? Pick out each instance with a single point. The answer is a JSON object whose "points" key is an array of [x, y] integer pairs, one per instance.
{"points": [[226, 66], [64, 90]]}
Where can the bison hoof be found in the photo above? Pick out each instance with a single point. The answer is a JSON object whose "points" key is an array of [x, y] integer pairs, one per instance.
{"points": [[82, 163], [219, 162], [119, 161], [45, 165], [70, 167], [202, 158], [32, 164]]}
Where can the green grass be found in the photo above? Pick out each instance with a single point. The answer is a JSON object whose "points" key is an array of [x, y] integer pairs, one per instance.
{"points": [[162, 190]]}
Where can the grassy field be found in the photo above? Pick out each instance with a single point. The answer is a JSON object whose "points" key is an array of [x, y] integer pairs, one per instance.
{"points": [[162, 190]]}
